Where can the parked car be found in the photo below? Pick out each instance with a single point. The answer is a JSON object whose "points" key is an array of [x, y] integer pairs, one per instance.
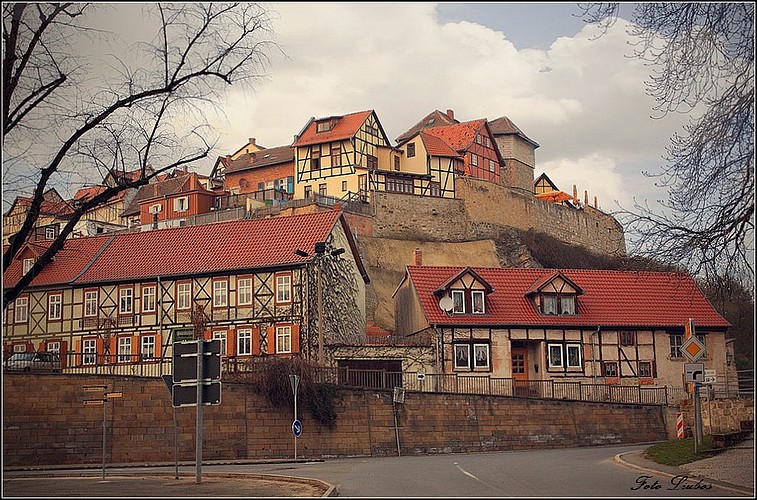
{"points": [[33, 362]]}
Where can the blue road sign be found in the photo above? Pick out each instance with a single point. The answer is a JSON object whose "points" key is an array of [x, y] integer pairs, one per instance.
{"points": [[297, 428]]}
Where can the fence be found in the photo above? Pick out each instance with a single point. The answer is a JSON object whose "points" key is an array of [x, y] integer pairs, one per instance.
{"points": [[251, 370]]}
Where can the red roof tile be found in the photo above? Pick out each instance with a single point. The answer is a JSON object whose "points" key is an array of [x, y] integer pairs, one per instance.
{"points": [[458, 136], [436, 146], [610, 298], [259, 159], [345, 127]]}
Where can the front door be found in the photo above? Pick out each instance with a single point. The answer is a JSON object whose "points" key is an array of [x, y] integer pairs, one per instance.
{"points": [[519, 357]]}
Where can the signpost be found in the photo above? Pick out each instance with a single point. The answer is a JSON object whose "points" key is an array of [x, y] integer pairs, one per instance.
{"points": [[694, 373], [296, 425], [103, 401], [196, 382]]}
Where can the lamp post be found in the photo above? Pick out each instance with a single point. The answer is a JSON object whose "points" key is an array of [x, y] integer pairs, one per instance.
{"points": [[317, 257]]}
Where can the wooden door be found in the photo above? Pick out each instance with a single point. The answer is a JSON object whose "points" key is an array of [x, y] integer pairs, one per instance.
{"points": [[519, 356]]}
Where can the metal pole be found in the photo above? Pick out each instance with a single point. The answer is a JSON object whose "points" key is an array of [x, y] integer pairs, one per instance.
{"points": [[396, 428], [198, 437], [105, 423], [295, 417], [175, 445], [320, 316]]}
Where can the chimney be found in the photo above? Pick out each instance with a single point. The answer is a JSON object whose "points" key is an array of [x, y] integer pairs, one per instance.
{"points": [[252, 141], [337, 207], [595, 202], [417, 257], [451, 114], [575, 195], [586, 198]]}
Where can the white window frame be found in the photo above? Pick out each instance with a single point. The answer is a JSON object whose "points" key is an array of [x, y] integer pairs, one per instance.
{"points": [[49, 233], [53, 346], [283, 339], [457, 348], [244, 341], [551, 299], [147, 346], [181, 204], [28, 264], [183, 296], [555, 355], [21, 309], [676, 344], [89, 351], [491, 166], [460, 302], [220, 293], [124, 348], [19, 347], [478, 348], [474, 159], [576, 348], [221, 335], [55, 306], [126, 300], [474, 307], [564, 301], [91, 302], [605, 364], [283, 288], [149, 298], [244, 291]]}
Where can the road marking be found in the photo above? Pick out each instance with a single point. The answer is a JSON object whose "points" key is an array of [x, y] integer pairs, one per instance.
{"points": [[468, 473]]}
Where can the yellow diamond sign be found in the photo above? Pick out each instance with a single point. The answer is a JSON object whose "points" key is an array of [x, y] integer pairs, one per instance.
{"points": [[693, 349]]}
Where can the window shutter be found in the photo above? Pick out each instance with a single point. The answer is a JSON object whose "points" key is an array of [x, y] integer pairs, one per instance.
{"points": [[99, 351], [136, 347], [271, 340], [207, 335], [77, 359], [158, 346], [63, 353], [295, 338], [255, 341], [231, 343]]}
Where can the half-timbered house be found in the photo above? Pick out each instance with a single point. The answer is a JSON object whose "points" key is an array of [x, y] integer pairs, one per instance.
{"points": [[590, 326], [120, 299]]}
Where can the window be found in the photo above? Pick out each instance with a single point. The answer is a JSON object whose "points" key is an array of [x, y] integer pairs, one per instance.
{"points": [[323, 126], [148, 299], [487, 142], [399, 185], [220, 293], [645, 369], [181, 204], [574, 355], [244, 291], [55, 306], [308, 192], [627, 337], [474, 159], [49, 233], [478, 138], [19, 347], [124, 349], [477, 297], [244, 341], [458, 301], [221, 335], [609, 369], [336, 155], [89, 351], [283, 288], [549, 304], [344, 186], [53, 346], [397, 163], [315, 159], [154, 209], [28, 264], [491, 165], [125, 300], [148, 347], [676, 341], [183, 295], [567, 304], [411, 149], [462, 356], [481, 355], [435, 188], [322, 189], [372, 162], [21, 310], [283, 339], [90, 303], [555, 355]]}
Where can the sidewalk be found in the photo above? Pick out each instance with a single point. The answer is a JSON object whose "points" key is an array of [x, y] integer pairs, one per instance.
{"points": [[732, 469]]}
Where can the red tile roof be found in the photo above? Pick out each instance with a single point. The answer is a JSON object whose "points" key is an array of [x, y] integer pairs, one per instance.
{"points": [[460, 135], [610, 298], [239, 245], [345, 127], [259, 159], [434, 119], [437, 147]]}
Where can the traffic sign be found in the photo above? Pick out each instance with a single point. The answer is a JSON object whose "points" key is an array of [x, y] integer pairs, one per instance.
{"points": [[296, 428], [710, 376], [693, 349], [186, 395], [184, 360], [693, 372]]}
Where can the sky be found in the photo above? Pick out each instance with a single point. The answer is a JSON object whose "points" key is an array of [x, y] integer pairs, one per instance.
{"points": [[579, 96]]}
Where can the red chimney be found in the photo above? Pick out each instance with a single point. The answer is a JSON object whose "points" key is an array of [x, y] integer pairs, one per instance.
{"points": [[252, 141], [337, 206], [575, 195], [586, 198], [417, 257], [451, 114], [595, 202]]}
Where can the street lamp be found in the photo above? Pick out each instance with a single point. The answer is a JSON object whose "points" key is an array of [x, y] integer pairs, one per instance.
{"points": [[319, 253]]}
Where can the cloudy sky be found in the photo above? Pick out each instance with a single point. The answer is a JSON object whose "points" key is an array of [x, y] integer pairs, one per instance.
{"points": [[580, 97]]}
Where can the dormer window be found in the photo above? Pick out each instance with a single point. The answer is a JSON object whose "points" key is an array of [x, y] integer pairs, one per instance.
{"points": [[555, 295], [558, 304], [458, 302], [465, 293], [323, 126], [477, 299], [28, 264]]}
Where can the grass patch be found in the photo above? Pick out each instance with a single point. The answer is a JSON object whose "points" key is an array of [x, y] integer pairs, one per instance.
{"points": [[680, 451]]}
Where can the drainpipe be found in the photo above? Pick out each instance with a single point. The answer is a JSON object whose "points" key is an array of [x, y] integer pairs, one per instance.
{"points": [[594, 356]]}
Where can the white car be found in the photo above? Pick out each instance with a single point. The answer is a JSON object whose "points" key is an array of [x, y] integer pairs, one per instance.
{"points": [[33, 362]]}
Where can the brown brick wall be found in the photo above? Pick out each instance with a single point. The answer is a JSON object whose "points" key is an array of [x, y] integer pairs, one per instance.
{"points": [[46, 422]]}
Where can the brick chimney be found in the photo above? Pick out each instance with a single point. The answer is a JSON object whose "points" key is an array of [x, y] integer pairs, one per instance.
{"points": [[451, 114], [595, 202], [575, 195], [337, 207], [252, 141], [586, 198], [417, 257]]}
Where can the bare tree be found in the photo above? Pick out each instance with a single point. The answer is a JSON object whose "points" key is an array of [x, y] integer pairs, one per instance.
{"points": [[66, 116], [702, 60]]}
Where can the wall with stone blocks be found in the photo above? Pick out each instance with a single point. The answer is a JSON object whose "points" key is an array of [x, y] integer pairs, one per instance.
{"points": [[719, 415], [46, 422]]}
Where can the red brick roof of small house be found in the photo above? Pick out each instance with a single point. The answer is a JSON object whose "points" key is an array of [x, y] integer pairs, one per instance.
{"points": [[345, 127], [223, 247], [458, 136], [434, 119], [61, 209], [610, 298], [435, 146], [259, 159], [163, 188], [90, 192]]}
